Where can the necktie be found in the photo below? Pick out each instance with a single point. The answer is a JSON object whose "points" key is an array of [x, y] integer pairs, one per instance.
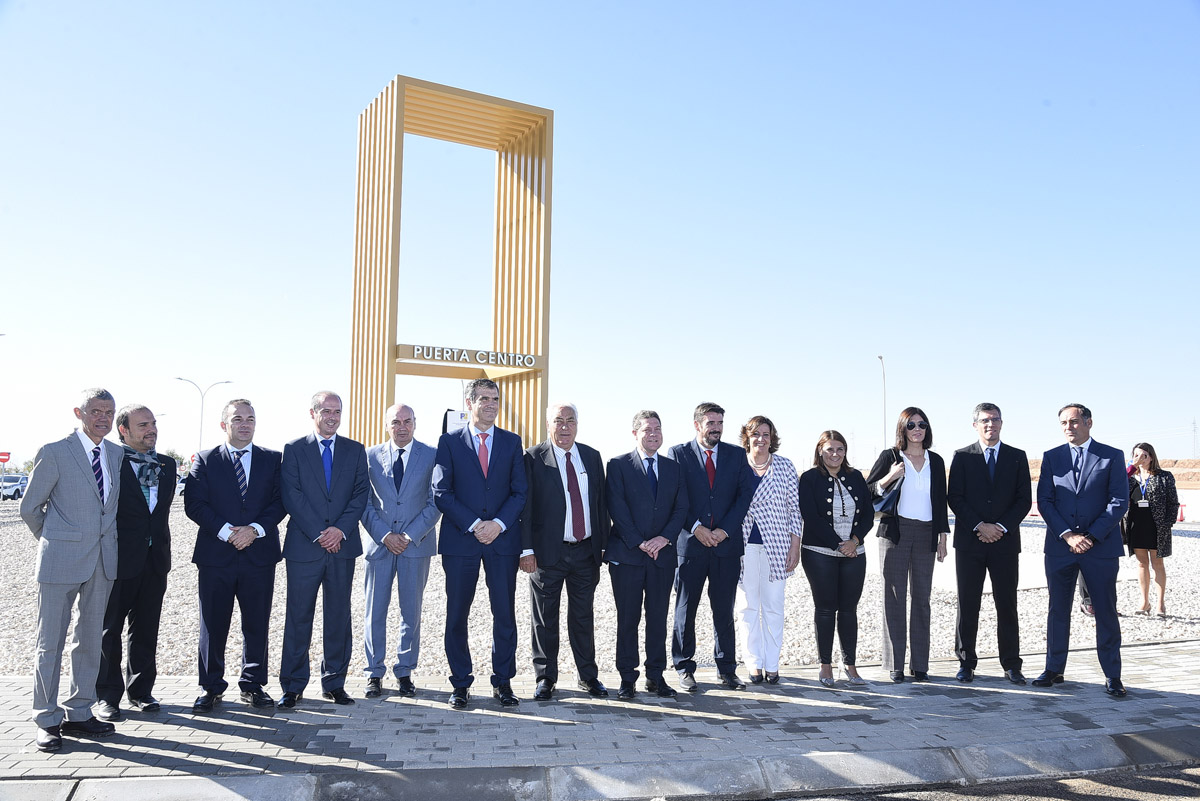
{"points": [[710, 468], [577, 524], [1075, 468], [398, 470], [99, 471], [650, 474], [327, 460], [143, 473], [239, 472], [991, 463], [483, 454]]}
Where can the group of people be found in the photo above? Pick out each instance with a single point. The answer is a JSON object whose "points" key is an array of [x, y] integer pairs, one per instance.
{"points": [[705, 517]]}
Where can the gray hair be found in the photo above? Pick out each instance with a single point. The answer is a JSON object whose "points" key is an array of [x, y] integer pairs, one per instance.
{"points": [[95, 393], [571, 406], [480, 383], [645, 414], [395, 407], [319, 397], [985, 407]]}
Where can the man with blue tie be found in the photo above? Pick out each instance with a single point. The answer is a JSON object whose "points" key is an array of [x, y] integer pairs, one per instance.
{"points": [[399, 518], [1082, 494], [233, 495], [719, 490], [647, 501], [325, 488], [479, 485]]}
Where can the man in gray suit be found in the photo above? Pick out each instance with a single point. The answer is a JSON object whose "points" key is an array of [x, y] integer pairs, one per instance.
{"points": [[325, 487], [399, 518], [71, 508]]}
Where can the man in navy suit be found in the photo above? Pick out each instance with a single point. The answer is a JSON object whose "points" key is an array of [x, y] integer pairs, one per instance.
{"points": [[648, 503], [143, 559], [719, 490], [479, 486], [399, 518], [325, 488], [563, 534], [233, 496], [1082, 493], [989, 491]]}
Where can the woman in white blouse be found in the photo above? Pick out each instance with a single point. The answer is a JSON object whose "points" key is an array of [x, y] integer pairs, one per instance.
{"points": [[911, 535], [771, 531]]}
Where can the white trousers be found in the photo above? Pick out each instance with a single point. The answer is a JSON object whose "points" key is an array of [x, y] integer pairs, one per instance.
{"points": [[758, 611]]}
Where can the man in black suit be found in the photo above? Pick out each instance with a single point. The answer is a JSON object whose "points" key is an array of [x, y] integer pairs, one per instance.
{"points": [[325, 484], [647, 501], [990, 492], [719, 490], [233, 496], [143, 559], [564, 530]]}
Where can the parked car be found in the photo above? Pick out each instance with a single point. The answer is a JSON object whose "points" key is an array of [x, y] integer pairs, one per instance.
{"points": [[13, 487], [181, 484]]}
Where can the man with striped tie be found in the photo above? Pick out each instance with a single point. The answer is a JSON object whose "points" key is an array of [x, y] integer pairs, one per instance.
{"points": [[233, 495], [71, 508]]}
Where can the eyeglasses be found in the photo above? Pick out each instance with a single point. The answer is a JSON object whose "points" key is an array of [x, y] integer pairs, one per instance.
{"points": [[921, 425]]}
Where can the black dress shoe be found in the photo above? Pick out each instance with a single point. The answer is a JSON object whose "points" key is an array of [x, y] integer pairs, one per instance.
{"points": [[106, 711], [660, 688], [458, 698], [505, 695], [732, 682], [965, 675], [756, 677], [374, 687], [897, 676], [772, 678], [544, 691], [407, 688], [1115, 688], [257, 698], [338, 696], [1015, 676], [919, 675], [49, 739], [687, 680], [593, 687], [205, 702], [1048, 679], [289, 700], [626, 691], [87, 728], [147, 703]]}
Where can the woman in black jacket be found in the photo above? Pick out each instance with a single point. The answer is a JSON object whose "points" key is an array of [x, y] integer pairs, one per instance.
{"points": [[836, 507], [1153, 506], [913, 526]]}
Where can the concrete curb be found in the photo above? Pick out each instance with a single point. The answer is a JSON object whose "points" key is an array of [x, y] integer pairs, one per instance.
{"points": [[817, 772]]}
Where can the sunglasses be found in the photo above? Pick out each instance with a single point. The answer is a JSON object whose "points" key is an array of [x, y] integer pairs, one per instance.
{"points": [[922, 425]]}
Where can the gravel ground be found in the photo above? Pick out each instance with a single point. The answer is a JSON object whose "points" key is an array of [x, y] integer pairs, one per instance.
{"points": [[180, 624]]}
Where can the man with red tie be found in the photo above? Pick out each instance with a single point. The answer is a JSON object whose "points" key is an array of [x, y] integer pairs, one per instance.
{"points": [[564, 531]]}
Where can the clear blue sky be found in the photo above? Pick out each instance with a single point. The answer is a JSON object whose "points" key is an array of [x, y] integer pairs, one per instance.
{"points": [[751, 202]]}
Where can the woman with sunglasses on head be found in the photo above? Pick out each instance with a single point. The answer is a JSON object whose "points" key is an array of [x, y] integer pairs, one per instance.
{"points": [[1153, 505], [835, 505], [913, 526]]}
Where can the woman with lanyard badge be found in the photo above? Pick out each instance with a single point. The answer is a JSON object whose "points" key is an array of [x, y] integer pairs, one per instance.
{"points": [[1147, 525]]}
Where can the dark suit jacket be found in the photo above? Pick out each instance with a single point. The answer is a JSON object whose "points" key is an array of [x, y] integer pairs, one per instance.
{"points": [[312, 507], [1093, 506], [977, 498], [818, 500], [464, 495], [888, 527], [547, 506], [638, 516], [140, 531], [725, 504], [212, 499]]}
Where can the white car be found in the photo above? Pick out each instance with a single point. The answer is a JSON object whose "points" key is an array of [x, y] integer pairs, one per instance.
{"points": [[13, 487]]}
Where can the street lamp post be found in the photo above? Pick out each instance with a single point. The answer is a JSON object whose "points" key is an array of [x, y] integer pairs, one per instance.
{"points": [[885, 417], [204, 392]]}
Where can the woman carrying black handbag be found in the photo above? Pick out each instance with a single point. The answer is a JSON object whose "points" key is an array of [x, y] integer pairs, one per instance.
{"points": [[913, 526]]}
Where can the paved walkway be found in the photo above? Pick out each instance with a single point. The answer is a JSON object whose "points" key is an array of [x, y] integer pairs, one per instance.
{"points": [[794, 738]]}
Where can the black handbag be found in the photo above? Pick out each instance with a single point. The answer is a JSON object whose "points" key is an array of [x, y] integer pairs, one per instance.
{"points": [[886, 503]]}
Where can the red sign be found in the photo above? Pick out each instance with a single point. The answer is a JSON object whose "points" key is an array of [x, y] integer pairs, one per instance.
{"points": [[4, 457]]}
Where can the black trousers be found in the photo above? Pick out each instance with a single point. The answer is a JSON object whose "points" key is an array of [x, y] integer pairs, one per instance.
{"points": [[578, 570], [721, 573], [138, 600], [971, 567], [837, 585], [634, 586]]}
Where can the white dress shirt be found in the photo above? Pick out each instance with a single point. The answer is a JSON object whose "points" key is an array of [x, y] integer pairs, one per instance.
{"points": [[915, 500], [227, 530], [582, 477]]}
